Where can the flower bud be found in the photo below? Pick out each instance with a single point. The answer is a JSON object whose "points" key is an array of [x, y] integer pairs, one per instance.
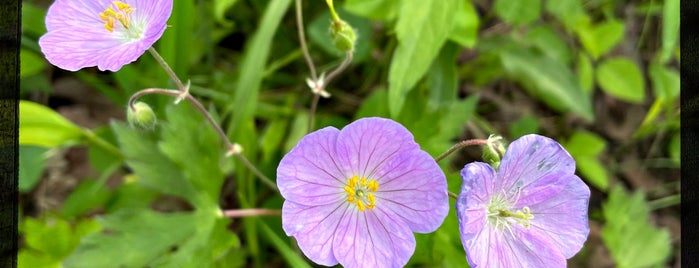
{"points": [[494, 150], [141, 116], [343, 35]]}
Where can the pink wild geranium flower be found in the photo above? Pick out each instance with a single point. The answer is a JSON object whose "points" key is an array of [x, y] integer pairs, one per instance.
{"points": [[355, 196], [103, 33], [532, 212]]}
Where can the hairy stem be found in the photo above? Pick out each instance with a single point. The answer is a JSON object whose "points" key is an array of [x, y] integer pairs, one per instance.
{"points": [[302, 40], [460, 145], [239, 213], [168, 70]]}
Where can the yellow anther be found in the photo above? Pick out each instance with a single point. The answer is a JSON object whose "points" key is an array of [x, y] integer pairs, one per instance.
{"points": [[372, 201], [363, 182], [373, 186], [109, 25], [360, 192], [121, 5], [110, 15], [360, 205]]}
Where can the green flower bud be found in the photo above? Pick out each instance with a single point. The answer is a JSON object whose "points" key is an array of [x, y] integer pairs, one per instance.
{"points": [[141, 116], [343, 35], [494, 150]]}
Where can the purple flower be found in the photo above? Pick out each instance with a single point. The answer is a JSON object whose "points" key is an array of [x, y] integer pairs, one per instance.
{"points": [[532, 212], [103, 33], [355, 196]]}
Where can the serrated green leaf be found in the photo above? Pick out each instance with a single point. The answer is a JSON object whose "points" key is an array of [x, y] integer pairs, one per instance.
{"points": [[670, 28], [385, 10], [51, 236], [422, 29], [32, 160], [621, 78], [441, 78], [131, 195], [548, 80], [586, 73], [465, 29], [548, 42], [41, 126], [631, 240], [666, 81], [134, 238], [87, 196], [599, 39], [30, 63], [518, 12]]}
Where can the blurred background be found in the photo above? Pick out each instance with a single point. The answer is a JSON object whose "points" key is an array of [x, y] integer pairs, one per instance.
{"points": [[599, 76]]}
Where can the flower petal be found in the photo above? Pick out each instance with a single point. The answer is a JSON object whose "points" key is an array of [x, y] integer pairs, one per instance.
{"points": [[314, 228], [529, 158], [475, 194], [76, 14], [499, 248], [563, 219], [74, 49], [310, 174], [372, 239], [367, 143], [413, 187]]}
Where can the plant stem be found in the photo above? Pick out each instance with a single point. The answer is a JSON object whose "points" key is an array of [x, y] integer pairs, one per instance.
{"points": [[302, 40], [168, 70], [346, 62], [257, 172], [239, 213], [460, 145], [311, 117]]}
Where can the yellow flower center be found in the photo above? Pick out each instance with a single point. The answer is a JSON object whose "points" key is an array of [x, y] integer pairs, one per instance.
{"points": [[360, 192], [117, 12]]}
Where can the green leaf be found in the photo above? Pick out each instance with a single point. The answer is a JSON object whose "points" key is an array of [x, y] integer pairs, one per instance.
{"points": [[422, 29], [671, 29], [586, 73], [442, 79], [252, 68], [30, 63], [87, 196], [666, 81], [52, 236], [131, 195], [273, 137], [631, 240], [41, 126], [518, 12], [548, 42], [32, 160], [134, 238], [548, 80], [291, 257], [374, 105], [299, 128], [569, 12], [599, 39], [585, 147], [33, 19], [385, 10], [673, 148], [220, 8], [466, 21], [621, 78], [527, 124]]}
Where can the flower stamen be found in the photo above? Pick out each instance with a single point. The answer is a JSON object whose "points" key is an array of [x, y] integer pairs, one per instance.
{"points": [[360, 192], [119, 12]]}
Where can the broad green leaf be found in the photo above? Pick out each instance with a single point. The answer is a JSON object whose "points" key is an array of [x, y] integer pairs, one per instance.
{"points": [[621, 78], [569, 12], [151, 166], [48, 241], [466, 21], [374, 105], [441, 78], [41, 126], [527, 124], [134, 238], [190, 142], [453, 121], [422, 29], [385, 10], [666, 81], [586, 73], [548, 42], [32, 160], [585, 147], [33, 19], [518, 12], [319, 33], [211, 242], [131, 195], [548, 80], [670, 28], [88, 195], [599, 39], [30, 63], [631, 239]]}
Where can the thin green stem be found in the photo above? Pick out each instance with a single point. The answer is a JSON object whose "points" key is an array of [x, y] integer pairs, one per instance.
{"points": [[302, 40], [257, 172], [311, 116], [96, 140], [664, 202], [239, 213], [346, 62], [460, 145], [168, 70], [336, 18]]}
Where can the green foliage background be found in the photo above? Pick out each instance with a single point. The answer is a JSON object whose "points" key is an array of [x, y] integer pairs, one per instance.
{"points": [[446, 69]]}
